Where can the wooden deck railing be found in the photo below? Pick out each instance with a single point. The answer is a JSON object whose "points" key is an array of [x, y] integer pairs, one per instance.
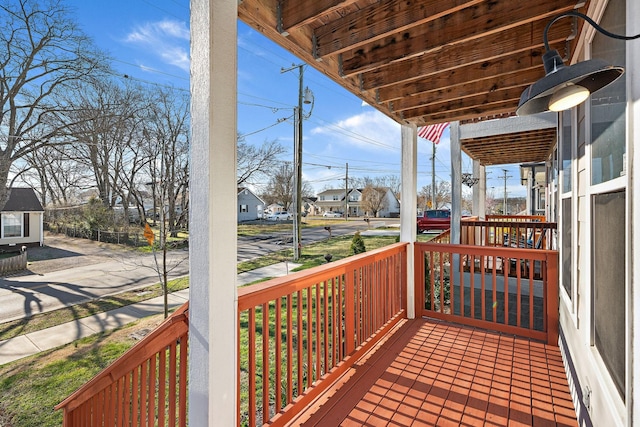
{"points": [[146, 386], [506, 289], [516, 234], [298, 333], [516, 218]]}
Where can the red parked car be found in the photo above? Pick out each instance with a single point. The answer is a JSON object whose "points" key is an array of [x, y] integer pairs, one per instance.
{"points": [[434, 219]]}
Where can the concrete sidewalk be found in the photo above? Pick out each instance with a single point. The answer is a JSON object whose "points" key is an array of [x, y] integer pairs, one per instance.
{"points": [[46, 339]]}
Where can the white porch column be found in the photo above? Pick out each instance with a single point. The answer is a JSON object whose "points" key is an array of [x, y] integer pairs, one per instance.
{"points": [[212, 188], [408, 200], [480, 191], [456, 182], [633, 206]]}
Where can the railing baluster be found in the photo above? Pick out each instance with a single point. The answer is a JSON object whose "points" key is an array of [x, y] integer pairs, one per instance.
{"points": [[318, 332], [172, 383], [278, 355], [309, 338], [182, 402], [289, 349], [151, 413], [135, 390], [265, 363], [144, 379], [251, 367], [299, 336], [162, 391], [326, 322]]}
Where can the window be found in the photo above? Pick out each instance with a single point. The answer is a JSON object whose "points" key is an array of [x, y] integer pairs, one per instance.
{"points": [[244, 208], [608, 283], [11, 225], [566, 143], [335, 197], [566, 246], [608, 105]]}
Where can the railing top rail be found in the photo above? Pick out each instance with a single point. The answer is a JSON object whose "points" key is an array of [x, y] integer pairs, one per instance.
{"points": [[497, 251], [171, 328], [541, 218], [261, 293], [504, 224]]}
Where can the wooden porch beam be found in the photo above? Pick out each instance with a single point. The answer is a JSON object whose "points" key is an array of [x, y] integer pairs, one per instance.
{"points": [[462, 90], [379, 20], [449, 105], [468, 24], [508, 106], [525, 38], [297, 13]]}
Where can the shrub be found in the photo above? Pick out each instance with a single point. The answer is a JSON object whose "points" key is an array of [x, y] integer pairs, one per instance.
{"points": [[357, 244]]}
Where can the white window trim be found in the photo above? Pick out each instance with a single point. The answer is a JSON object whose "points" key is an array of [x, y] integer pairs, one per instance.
{"points": [[21, 217]]}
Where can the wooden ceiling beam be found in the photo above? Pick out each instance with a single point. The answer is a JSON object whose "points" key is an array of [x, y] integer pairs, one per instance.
{"points": [[506, 43], [501, 107], [520, 80], [472, 73], [455, 104], [379, 20], [296, 13], [471, 23]]}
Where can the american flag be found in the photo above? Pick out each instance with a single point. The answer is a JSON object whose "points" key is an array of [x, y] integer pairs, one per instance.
{"points": [[432, 132]]}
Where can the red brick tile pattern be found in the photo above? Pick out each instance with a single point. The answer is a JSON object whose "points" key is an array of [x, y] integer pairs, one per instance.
{"points": [[431, 373]]}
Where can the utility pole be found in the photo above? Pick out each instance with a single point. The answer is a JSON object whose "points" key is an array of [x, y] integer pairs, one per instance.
{"points": [[297, 157], [433, 176], [504, 202], [346, 193]]}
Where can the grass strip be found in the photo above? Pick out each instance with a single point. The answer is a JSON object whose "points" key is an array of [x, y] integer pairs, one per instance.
{"points": [[31, 387], [86, 309]]}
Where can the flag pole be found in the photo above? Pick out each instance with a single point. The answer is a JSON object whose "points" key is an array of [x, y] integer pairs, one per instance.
{"points": [[433, 176]]}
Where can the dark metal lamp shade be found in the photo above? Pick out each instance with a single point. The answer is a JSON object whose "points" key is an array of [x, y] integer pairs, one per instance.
{"points": [[576, 82]]}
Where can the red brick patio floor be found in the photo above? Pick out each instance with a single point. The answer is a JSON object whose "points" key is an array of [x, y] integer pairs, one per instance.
{"points": [[431, 373]]}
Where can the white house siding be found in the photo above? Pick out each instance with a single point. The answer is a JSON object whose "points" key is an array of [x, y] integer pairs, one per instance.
{"points": [[594, 208], [35, 236], [250, 206]]}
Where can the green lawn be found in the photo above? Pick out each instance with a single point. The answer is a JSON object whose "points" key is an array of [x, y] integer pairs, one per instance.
{"points": [[43, 380]]}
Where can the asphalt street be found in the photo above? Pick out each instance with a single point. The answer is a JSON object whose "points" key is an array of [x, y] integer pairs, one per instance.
{"points": [[79, 272], [255, 246], [70, 271]]}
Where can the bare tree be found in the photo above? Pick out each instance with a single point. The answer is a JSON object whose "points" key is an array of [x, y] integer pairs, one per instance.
{"points": [[42, 52], [443, 195], [374, 200], [105, 127], [256, 163], [280, 187], [168, 132]]}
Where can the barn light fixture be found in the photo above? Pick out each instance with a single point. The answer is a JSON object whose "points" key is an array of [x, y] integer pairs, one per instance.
{"points": [[564, 86]]}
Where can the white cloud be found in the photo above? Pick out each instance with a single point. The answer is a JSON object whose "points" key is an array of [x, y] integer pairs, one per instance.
{"points": [[166, 39], [369, 130]]}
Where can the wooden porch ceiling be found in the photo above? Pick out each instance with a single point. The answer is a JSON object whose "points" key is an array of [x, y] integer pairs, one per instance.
{"points": [[424, 61], [521, 147]]}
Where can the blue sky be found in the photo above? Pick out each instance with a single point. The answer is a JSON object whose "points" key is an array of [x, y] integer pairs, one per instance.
{"points": [[149, 40]]}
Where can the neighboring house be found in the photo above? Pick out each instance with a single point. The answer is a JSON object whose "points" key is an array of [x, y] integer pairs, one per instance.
{"points": [[274, 207], [250, 206], [534, 176], [309, 206], [331, 200], [388, 208], [21, 219]]}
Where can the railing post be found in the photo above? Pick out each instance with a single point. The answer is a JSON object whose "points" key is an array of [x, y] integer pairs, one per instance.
{"points": [[350, 321], [553, 315], [419, 280]]}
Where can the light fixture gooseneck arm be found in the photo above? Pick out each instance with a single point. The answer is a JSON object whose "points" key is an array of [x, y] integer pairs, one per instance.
{"points": [[598, 28]]}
